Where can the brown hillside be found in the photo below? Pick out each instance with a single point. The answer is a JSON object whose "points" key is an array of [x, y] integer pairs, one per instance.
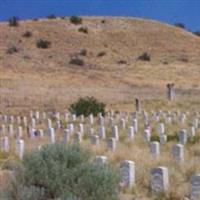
{"points": [[34, 77]]}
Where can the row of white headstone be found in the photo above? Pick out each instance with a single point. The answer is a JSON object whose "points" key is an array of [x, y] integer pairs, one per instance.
{"points": [[159, 177]]}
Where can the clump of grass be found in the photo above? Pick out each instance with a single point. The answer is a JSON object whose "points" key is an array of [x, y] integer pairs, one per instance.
{"points": [[144, 57], [77, 61], [43, 44], [27, 34], [101, 54], [83, 29], [12, 49]]}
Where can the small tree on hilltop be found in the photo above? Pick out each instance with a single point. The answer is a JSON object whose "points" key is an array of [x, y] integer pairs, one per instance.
{"points": [[13, 21], [179, 25]]}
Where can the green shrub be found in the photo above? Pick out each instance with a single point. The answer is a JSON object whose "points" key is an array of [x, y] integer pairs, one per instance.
{"points": [[83, 29], [43, 44], [144, 57], [86, 106], [13, 21], [59, 172], [76, 20], [77, 61]]}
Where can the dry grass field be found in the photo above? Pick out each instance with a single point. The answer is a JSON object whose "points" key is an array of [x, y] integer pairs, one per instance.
{"points": [[43, 78]]}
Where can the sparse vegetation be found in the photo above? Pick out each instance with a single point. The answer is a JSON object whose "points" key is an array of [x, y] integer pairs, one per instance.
{"points": [[145, 57], [27, 34], [77, 61], [12, 49], [83, 29], [101, 54], [121, 62], [87, 106], [43, 44], [76, 20], [13, 21], [83, 52]]}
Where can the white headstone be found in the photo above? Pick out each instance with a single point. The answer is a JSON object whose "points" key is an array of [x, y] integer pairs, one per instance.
{"points": [[155, 149], [131, 132], [66, 136], [102, 132], [182, 136], [135, 125], [127, 173], [123, 123], [81, 128], [49, 123], [77, 137], [5, 144], [163, 139], [20, 148], [25, 122], [71, 128], [147, 135], [33, 123], [115, 132], [94, 140], [10, 130], [19, 132], [159, 179], [41, 133], [91, 119], [178, 152], [112, 144], [82, 118], [195, 187], [191, 131], [161, 129], [52, 135]]}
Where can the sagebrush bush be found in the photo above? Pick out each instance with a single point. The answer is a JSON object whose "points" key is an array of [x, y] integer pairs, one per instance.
{"points": [[12, 49], [83, 29], [77, 61], [145, 57], [60, 172], [87, 106], [13, 21], [83, 52], [27, 34], [76, 20], [101, 54], [43, 44]]}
